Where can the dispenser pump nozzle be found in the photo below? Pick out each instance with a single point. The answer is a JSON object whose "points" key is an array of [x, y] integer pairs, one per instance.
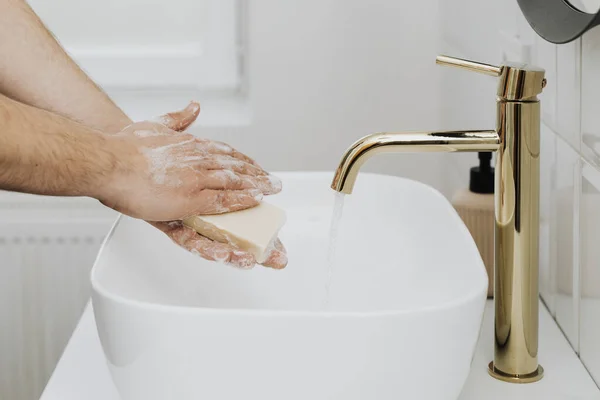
{"points": [[482, 177]]}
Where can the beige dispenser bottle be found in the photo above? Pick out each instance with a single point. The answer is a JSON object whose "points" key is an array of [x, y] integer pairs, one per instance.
{"points": [[475, 206]]}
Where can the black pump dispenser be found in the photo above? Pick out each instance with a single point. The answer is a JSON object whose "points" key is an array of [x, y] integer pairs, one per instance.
{"points": [[482, 177]]}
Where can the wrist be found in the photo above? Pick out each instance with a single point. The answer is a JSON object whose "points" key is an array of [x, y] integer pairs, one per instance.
{"points": [[116, 159]]}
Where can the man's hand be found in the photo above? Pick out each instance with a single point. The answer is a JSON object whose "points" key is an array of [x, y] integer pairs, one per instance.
{"points": [[190, 240], [166, 175], [52, 142]]}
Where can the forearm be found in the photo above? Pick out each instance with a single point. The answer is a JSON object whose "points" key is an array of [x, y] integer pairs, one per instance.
{"points": [[44, 153], [35, 70]]}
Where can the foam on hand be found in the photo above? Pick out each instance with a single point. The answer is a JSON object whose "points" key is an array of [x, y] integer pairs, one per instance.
{"points": [[253, 230]]}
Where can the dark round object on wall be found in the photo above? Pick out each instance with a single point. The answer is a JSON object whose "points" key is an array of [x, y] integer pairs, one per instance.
{"points": [[561, 21]]}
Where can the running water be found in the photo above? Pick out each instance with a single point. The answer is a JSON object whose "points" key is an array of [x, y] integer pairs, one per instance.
{"points": [[338, 208]]}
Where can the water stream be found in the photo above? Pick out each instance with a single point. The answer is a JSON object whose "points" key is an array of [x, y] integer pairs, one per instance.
{"points": [[338, 209]]}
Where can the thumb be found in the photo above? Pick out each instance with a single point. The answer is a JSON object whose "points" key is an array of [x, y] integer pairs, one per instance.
{"points": [[181, 120]]}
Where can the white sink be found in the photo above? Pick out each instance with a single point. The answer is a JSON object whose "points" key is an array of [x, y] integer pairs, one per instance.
{"points": [[406, 306]]}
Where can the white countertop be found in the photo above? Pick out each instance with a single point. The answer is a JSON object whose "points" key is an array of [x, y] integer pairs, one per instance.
{"points": [[83, 374]]}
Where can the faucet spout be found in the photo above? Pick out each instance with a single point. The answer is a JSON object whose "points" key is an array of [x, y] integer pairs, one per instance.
{"points": [[409, 142]]}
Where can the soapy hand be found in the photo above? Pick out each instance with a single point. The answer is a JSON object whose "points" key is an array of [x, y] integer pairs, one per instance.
{"points": [[189, 239], [167, 175]]}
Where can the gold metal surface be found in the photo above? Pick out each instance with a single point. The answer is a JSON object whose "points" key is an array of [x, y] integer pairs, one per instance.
{"points": [[517, 81], [517, 142], [418, 142], [529, 378], [517, 234], [469, 65], [520, 82]]}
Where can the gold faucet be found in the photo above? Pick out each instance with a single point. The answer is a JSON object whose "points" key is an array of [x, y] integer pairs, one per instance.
{"points": [[517, 143]]}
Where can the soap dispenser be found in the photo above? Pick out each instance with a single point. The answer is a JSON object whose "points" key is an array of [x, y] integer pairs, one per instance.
{"points": [[475, 206]]}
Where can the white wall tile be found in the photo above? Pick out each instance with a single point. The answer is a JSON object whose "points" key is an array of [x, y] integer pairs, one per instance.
{"points": [[568, 96], [544, 56], [547, 188], [590, 270], [590, 95], [562, 228]]}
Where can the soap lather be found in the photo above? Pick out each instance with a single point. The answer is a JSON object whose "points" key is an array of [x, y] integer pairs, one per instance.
{"points": [[253, 230]]}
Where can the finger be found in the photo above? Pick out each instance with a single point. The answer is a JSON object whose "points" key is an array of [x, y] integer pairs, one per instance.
{"points": [[221, 148], [190, 240], [220, 252], [278, 257], [222, 201], [175, 230], [221, 179], [233, 164], [268, 185], [279, 246], [181, 120], [225, 179]]}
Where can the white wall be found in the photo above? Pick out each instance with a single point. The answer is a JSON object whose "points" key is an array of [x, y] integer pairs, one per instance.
{"points": [[320, 74]]}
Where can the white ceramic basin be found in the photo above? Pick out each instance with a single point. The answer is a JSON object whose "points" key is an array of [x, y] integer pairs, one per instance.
{"points": [[407, 302]]}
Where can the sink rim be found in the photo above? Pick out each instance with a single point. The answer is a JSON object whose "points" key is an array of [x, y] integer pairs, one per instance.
{"points": [[469, 297]]}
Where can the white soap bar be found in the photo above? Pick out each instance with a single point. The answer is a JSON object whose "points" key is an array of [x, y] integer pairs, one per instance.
{"points": [[253, 230]]}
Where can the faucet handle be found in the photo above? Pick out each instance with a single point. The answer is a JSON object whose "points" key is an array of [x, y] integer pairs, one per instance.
{"points": [[518, 82], [482, 68]]}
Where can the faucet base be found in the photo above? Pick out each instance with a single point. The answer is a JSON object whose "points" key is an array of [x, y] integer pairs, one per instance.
{"points": [[527, 378]]}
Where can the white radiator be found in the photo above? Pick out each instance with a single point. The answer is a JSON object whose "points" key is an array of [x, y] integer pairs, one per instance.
{"points": [[47, 247]]}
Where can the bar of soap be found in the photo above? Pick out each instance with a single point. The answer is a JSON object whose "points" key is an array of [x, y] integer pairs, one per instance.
{"points": [[253, 230]]}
